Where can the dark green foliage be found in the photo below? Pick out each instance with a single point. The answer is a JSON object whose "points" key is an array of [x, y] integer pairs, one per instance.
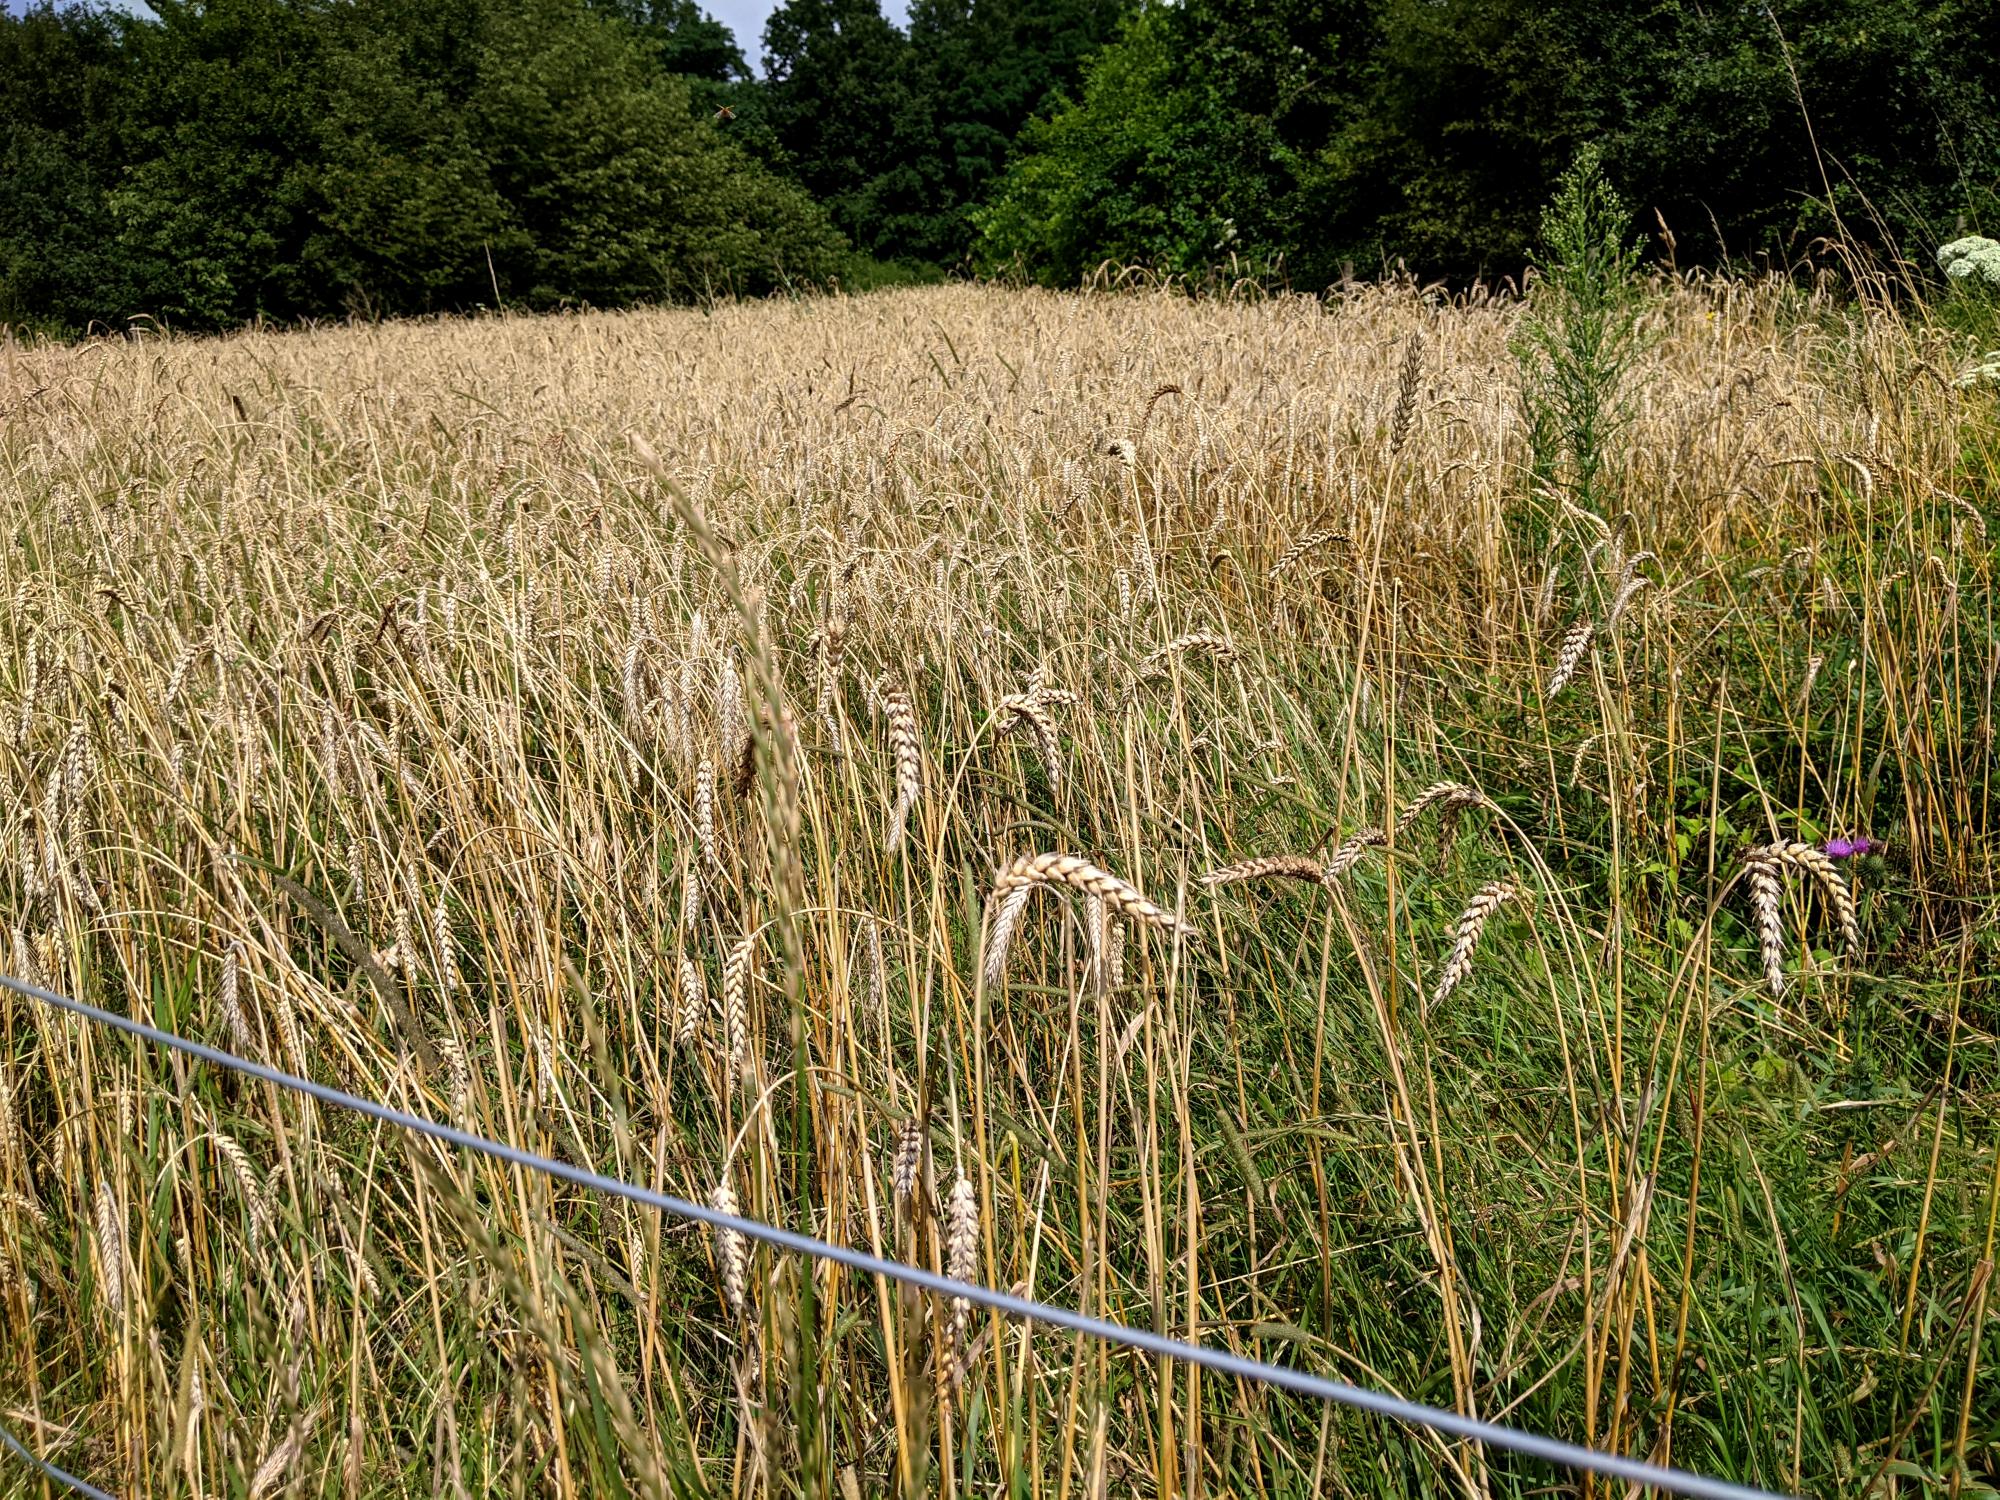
{"points": [[900, 135], [1431, 131], [685, 39], [288, 158], [1194, 142], [839, 102]]}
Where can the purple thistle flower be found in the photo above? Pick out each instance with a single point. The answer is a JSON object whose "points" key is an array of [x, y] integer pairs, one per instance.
{"points": [[1847, 848]]}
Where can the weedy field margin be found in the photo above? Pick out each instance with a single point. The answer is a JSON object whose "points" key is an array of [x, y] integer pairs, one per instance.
{"points": [[1652, 1477]]}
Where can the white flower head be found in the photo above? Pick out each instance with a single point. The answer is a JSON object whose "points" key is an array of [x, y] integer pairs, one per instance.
{"points": [[1973, 258]]}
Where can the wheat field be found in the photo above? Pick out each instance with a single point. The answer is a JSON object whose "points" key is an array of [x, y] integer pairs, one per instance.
{"points": [[1147, 802]]}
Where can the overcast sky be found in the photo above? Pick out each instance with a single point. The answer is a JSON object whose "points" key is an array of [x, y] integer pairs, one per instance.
{"points": [[744, 17]]}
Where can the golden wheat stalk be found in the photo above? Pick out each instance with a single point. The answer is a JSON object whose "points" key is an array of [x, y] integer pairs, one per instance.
{"points": [[1471, 923]]}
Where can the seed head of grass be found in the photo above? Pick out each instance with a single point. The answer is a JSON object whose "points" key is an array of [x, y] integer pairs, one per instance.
{"points": [[1465, 938], [1033, 871], [1569, 656]]}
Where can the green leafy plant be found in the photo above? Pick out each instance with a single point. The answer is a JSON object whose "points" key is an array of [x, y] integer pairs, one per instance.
{"points": [[1576, 345]]}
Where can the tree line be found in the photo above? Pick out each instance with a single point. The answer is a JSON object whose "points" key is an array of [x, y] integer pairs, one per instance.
{"points": [[221, 161]]}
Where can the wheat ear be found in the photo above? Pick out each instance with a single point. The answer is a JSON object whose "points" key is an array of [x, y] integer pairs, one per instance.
{"points": [[1762, 877], [1406, 393], [906, 1168], [1471, 923], [1031, 871], [909, 763], [111, 1248], [736, 998], [1307, 543], [961, 1261], [1833, 885], [1569, 656], [1448, 794], [732, 1251], [694, 1001], [1269, 867], [1123, 898], [1006, 917], [1349, 854]]}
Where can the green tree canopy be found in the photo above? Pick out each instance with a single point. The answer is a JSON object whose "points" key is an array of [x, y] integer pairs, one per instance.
{"points": [[286, 158], [1318, 136]]}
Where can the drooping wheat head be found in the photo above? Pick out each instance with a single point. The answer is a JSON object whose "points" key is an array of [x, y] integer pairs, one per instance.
{"points": [[1268, 867], [1465, 937], [1351, 851], [1570, 655]]}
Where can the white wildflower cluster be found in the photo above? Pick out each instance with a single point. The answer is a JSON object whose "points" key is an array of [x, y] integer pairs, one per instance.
{"points": [[1972, 259]]}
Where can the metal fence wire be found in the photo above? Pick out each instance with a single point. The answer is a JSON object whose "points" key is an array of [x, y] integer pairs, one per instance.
{"points": [[1645, 1476]]}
